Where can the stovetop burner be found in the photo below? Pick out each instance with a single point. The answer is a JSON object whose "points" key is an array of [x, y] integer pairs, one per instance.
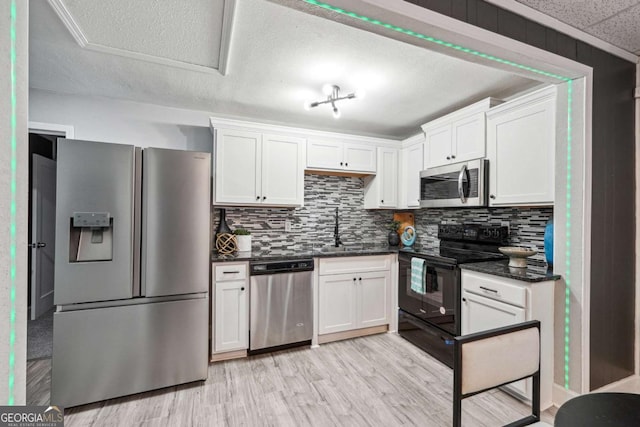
{"points": [[465, 243]]}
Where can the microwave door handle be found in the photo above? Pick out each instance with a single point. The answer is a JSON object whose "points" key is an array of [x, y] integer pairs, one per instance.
{"points": [[463, 172]]}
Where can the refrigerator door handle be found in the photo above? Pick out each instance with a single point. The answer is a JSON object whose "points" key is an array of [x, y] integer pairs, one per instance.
{"points": [[138, 285]]}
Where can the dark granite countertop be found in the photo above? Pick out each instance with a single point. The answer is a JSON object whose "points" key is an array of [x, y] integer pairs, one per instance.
{"points": [[279, 255], [535, 272]]}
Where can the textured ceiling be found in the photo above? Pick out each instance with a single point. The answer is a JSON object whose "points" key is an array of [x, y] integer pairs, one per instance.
{"points": [[159, 28], [614, 21], [279, 57]]}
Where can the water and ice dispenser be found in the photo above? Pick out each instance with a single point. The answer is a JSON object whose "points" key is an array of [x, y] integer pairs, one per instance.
{"points": [[91, 237]]}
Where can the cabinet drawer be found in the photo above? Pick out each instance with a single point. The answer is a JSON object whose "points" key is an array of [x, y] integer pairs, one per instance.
{"points": [[342, 265], [224, 272], [494, 288]]}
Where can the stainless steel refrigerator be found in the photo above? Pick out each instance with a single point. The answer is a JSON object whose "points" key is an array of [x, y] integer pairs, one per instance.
{"points": [[131, 270]]}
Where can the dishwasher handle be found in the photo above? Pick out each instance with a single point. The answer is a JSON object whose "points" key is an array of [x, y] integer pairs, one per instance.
{"points": [[280, 267]]}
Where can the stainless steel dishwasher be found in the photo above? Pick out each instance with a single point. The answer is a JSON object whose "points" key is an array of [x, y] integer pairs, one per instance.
{"points": [[281, 309]]}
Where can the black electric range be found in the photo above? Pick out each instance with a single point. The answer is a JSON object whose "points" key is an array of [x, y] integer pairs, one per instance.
{"points": [[431, 319]]}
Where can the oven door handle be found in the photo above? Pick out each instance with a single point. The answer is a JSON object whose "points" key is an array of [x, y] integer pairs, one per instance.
{"points": [[463, 172]]}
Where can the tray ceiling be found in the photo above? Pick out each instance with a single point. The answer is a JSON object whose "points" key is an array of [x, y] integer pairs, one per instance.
{"points": [[279, 57], [193, 37]]}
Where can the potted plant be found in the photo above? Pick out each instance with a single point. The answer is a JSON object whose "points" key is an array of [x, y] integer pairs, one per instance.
{"points": [[393, 238], [244, 239]]}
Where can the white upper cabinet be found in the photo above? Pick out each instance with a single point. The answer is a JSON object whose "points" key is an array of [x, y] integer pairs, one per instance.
{"points": [[381, 190], [457, 137], [358, 157], [438, 146], [521, 150], [282, 170], [253, 169], [468, 138], [325, 154], [411, 163], [341, 156], [237, 166]]}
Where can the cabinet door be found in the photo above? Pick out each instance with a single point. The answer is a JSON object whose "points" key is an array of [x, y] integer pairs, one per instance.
{"points": [[359, 157], [520, 147], [468, 138], [282, 170], [231, 316], [373, 299], [413, 165], [237, 167], [337, 303], [324, 154], [438, 146], [388, 172], [480, 314]]}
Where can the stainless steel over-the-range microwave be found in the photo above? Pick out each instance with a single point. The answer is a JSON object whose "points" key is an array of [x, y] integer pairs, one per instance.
{"points": [[463, 184]]}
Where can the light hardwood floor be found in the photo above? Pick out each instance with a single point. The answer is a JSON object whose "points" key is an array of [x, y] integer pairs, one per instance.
{"points": [[380, 380]]}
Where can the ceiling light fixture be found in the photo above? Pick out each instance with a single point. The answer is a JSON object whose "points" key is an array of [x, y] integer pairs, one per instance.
{"points": [[333, 96]]}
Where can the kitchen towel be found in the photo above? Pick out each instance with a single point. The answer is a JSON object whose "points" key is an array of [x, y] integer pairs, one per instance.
{"points": [[417, 275]]}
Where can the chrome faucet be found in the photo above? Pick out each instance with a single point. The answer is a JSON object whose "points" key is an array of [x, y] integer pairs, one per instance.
{"points": [[336, 232]]}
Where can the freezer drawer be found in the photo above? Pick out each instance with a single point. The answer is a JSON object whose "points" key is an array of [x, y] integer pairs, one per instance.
{"points": [[103, 353]]}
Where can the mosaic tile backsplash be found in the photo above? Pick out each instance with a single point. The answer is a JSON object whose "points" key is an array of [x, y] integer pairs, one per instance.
{"points": [[313, 224]]}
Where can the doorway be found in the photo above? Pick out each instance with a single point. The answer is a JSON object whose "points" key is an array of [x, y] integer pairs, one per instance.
{"points": [[41, 258]]}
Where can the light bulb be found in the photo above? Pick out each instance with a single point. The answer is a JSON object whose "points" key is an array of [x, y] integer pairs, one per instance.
{"points": [[360, 94], [307, 105], [336, 113], [327, 89]]}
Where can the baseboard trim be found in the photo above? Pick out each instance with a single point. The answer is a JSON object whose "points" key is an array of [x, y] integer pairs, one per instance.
{"points": [[560, 395], [228, 355], [338, 336]]}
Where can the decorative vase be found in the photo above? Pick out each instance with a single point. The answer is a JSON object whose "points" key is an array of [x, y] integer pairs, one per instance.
{"points": [[223, 227], [393, 238], [244, 243], [408, 236], [548, 242]]}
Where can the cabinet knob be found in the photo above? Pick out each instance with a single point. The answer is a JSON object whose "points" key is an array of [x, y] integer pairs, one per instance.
{"points": [[491, 196], [346, 164], [381, 201], [340, 163], [360, 279], [448, 158], [264, 198], [354, 279], [257, 197], [464, 300], [242, 288], [453, 157]]}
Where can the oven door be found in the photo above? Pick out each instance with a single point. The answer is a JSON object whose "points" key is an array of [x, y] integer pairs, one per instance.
{"points": [[460, 184], [440, 304]]}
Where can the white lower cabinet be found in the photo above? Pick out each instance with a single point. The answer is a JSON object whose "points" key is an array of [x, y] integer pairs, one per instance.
{"points": [[356, 299], [230, 308], [337, 303], [490, 301]]}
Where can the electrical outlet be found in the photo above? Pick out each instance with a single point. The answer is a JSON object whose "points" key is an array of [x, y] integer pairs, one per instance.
{"points": [[287, 225]]}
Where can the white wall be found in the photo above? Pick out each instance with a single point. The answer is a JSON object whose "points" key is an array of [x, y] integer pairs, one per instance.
{"points": [[124, 122], [17, 370]]}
